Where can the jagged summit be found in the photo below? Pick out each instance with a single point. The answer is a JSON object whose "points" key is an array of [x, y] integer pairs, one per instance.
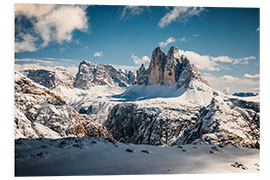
{"points": [[168, 69], [90, 74], [50, 78]]}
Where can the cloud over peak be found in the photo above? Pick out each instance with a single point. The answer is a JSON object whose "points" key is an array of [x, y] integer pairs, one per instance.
{"points": [[139, 61], [98, 54], [167, 42]]}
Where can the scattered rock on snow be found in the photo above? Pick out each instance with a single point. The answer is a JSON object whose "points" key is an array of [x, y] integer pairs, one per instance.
{"points": [[239, 165]]}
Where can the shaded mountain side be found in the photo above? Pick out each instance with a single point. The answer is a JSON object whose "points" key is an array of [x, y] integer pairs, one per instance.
{"points": [[173, 104], [221, 122]]}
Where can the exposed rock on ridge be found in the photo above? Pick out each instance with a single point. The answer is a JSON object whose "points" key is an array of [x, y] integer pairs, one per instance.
{"points": [[221, 122], [50, 78], [41, 113], [168, 69], [90, 74]]}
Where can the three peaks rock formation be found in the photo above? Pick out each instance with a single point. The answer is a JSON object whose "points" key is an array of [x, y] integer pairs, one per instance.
{"points": [[168, 69]]}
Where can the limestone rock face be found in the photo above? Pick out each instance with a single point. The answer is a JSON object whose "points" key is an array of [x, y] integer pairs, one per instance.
{"points": [[167, 69], [231, 121], [50, 78], [39, 113], [90, 74], [141, 75], [156, 67]]}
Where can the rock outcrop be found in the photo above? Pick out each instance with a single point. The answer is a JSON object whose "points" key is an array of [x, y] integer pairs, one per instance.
{"points": [[90, 74], [50, 78], [221, 122], [41, 113], [168, 69], [213, 118]]}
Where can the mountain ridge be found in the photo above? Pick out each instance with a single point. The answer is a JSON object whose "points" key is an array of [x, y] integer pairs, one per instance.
{"points": [[169, 104]]}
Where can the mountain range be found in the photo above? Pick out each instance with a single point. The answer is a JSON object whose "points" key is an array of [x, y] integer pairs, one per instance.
{"points": [[168, 103]]}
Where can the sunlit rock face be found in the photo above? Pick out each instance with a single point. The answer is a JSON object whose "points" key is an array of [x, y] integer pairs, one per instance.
{"points": [[50, 78], [89, 75], [168, 69], [40, 113]]}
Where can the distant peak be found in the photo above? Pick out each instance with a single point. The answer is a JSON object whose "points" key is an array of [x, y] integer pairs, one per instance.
{"points": [[86, 62]]}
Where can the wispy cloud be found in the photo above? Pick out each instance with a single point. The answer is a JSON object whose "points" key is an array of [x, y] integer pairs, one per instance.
{"points": [[73, 68], [252, 76], [30, 60], [225, 59], [139, 61], [167, 42], [98, 54], [50, 23], [180, 14], [26, 44], [183, 39], [211, 63], [244, 60], [258, 29], [130, 11], [235, 84]]}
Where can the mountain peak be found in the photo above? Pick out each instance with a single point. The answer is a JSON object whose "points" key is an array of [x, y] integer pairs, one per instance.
{"points": [[89, 75], [168, 69]]}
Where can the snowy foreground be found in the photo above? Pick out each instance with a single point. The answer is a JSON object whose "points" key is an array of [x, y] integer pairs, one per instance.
{"points": [[99, 156]]}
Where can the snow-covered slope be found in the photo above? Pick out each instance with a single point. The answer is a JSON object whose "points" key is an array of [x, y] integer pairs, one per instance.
{"points": [[41, 113], [160, 112], [170, 104], [98, 156]]}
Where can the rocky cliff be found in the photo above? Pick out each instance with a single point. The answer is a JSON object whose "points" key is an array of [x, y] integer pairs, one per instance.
{"points": [[230, 121], [41, 113], [183, 110], [90, 74], [50, 78], [168, 69]]}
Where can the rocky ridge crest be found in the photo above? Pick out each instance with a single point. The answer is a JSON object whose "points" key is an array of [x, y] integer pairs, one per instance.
{"points": [[168, 69]]}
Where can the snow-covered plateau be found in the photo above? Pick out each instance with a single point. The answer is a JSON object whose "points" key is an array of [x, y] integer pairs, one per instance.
{"points": [[162, 119], [98, 156]]}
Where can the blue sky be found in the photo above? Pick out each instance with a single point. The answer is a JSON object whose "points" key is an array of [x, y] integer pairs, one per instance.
{"points": [[222, 42]]}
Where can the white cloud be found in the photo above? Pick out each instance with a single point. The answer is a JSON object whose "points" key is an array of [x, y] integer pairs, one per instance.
{"points": [[128, 68], [53, 22], [203, 62], [98, 54], [27, 43], [258, 29], [223, 59], [167, 42], [244, 60], [229, 78], [130, 11], [226, 90], [139, 61], [183, 39], [235, 84], [210, 63], [30, 60], [180, 14], [73, 69], [252, 76]]}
